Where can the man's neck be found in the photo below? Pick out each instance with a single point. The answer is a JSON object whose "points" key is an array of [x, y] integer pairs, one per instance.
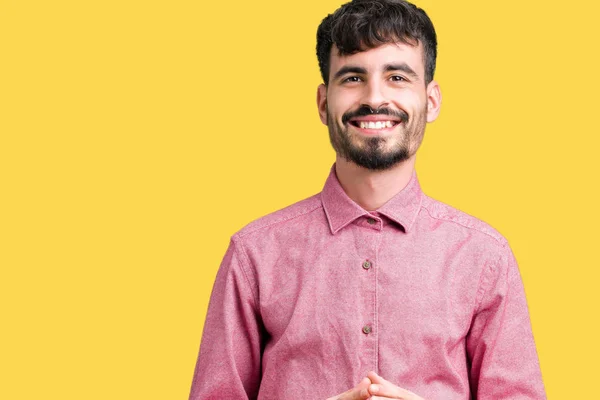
{"points": [[372, 189]]}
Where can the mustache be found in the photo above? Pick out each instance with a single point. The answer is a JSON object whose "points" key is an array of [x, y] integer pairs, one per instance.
{"points": [[365, 110]]}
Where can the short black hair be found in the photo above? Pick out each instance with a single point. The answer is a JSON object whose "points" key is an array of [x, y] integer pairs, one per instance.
{"points": [[365, 24]]}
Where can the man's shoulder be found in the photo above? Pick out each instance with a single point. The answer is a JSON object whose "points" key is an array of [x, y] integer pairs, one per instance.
{"points": [[284, 217], [461, 221]]}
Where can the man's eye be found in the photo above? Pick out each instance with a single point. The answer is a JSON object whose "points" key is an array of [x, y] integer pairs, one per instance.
{"points": [[352, 79], [397, 78]]}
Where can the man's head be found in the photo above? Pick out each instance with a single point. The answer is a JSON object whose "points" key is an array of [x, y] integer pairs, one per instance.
{"points": [[377, 59], [365, 24]]}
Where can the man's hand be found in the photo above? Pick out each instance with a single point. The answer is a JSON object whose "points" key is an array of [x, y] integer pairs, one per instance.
{"points": [[359, 392], [382, 389]]}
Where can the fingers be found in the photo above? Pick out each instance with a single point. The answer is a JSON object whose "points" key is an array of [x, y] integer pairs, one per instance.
{"points": [[359, 392], [380, 389], [374, 387], [372, 375]]}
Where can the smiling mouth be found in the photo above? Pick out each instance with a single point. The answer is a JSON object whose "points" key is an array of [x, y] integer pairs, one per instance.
{"points": [[374, 124]]}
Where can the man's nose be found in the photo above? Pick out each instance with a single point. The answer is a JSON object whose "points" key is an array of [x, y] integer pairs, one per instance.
{"points": [[374, 95]]}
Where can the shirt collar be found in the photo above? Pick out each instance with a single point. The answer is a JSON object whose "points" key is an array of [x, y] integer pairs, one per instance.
{"points": [[342, 210]]}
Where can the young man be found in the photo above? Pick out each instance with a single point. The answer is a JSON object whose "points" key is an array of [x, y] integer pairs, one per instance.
{"points": [[370, 281]]}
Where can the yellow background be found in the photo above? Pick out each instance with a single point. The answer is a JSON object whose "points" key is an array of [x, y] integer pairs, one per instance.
{"points": [[138, 136]]}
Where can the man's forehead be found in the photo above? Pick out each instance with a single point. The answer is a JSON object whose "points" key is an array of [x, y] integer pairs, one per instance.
{"points": [[377, 57]]}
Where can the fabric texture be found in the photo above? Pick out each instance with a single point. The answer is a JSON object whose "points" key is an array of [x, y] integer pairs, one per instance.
{"points": [[310, 298]]}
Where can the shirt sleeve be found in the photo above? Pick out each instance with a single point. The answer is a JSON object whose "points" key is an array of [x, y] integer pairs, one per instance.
{"points": [[229, 362], [500, 347]]}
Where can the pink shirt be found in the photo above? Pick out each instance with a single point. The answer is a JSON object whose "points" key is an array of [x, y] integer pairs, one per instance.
{"points": [[310, 298]]}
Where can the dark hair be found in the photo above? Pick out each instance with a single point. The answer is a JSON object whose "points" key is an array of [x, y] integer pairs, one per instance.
{"points": [[365, 24]]}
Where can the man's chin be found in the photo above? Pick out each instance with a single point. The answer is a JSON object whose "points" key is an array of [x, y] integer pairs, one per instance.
{"points": [[377, 162]]}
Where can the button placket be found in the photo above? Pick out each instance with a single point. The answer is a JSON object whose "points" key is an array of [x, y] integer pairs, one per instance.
{"points": [[367, 240]]}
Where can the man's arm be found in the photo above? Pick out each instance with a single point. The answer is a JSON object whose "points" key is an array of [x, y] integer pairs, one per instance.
{"points": [[228, 365], [500, 346]]}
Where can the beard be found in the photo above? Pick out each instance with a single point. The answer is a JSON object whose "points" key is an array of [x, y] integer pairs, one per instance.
{"points": [[377, 153]]}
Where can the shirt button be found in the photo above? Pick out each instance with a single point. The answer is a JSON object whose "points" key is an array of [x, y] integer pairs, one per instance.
{"points": [[367, 264], [371, 220], [367, 329]]}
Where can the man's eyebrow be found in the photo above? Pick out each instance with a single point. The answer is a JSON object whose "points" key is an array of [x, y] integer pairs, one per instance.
{"points": [[402, 67], [388, 67], [349, 69]]}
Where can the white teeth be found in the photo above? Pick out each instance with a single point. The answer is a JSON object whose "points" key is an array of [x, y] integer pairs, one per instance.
{"points": [[375, 125]]}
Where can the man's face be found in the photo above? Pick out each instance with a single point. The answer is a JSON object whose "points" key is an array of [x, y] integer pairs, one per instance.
{"points": [[376, 104]]}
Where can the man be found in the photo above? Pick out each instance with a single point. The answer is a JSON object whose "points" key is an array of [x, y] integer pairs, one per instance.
{"points": [[370, 281]]}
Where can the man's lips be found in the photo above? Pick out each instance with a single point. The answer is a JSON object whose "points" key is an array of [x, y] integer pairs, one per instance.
{"points": [[368, 121]]}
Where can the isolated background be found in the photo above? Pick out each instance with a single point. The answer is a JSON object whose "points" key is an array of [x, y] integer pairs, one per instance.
{"points": [[137, 136]]}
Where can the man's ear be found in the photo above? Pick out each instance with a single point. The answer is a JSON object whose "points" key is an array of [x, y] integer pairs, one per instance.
{"points": [[322, 102], [434, 101]]}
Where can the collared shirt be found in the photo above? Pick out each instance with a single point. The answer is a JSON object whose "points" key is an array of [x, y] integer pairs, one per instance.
{"points": [[310, 298]]}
